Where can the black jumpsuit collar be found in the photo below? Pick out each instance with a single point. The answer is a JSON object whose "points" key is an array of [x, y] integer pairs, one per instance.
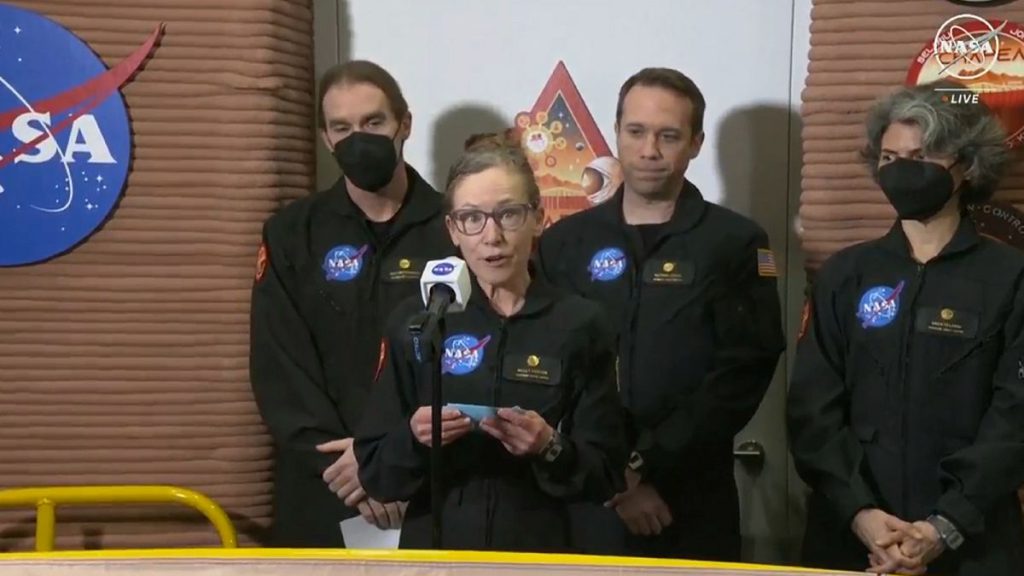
{"points": [[964, 239], [539, 296], [690, 207], [421, 202]]}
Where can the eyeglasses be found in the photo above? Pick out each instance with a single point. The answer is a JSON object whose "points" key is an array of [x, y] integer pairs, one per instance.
{"points": [[509, 217]]}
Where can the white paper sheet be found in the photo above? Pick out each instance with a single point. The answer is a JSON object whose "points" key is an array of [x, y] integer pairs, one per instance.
{"points": [[361, 535]]}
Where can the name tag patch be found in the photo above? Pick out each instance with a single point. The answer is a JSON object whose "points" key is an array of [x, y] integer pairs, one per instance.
{"points": [[532, 368], [669, 272], [947, 321], [402, 269]]}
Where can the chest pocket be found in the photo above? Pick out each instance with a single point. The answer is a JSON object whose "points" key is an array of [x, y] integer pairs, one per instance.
{"points": [[534, 382], [961, 354], [674, 290], [955, 338]]}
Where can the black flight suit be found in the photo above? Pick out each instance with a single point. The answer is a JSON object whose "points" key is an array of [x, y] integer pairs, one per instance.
{"points": [[556, 357], [700, 334], [908, 395], [317, 317]]}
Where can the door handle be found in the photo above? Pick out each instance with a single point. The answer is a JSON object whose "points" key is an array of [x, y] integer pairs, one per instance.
{"points": [[750, 453]]}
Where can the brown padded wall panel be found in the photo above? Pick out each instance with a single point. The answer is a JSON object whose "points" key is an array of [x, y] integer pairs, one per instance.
{"points": [[861, 51], [126, 360]]}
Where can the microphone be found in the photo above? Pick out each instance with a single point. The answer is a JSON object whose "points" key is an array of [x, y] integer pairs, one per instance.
{"points": [[445, 285]]}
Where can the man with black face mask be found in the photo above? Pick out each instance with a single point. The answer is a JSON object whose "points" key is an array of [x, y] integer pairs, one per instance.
{"points": [[906, 406], [330, 269]]}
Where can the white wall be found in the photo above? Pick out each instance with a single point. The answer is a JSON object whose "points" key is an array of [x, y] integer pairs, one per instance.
{"points": [[497, 56]]}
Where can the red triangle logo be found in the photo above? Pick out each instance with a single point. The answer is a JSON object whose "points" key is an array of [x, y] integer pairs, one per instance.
{"points": [[573, 165]]}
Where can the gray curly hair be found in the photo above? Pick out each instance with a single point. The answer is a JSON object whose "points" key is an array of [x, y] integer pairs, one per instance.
{"points": [[969, 132]]}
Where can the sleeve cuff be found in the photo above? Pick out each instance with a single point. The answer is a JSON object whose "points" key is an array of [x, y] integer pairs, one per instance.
{"points": [[412, 446], [562, 466], [958, 510], [646, 448], [848, 506]]}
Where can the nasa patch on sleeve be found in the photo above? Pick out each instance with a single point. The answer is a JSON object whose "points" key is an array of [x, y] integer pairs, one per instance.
{"points": [[65, 137]]}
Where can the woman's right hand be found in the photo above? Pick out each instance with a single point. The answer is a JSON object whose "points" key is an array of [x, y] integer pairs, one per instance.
{"points": [[453, 425]]}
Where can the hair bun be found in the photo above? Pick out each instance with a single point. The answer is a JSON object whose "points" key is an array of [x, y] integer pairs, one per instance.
{"points": [[492, 140]]}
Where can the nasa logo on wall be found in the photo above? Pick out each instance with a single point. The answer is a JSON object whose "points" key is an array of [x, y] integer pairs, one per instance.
{"points": [[65, 137]]}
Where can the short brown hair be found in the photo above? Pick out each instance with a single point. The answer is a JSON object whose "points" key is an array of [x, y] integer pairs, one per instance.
{"points": [[486, 151], [669, 79], [363, 72]]}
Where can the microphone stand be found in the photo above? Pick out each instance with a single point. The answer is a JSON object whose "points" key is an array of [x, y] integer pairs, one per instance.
{"points": [[427, 330]]}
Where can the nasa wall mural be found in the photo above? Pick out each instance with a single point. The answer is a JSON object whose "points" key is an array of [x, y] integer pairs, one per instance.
{"points": [[65, 136]]}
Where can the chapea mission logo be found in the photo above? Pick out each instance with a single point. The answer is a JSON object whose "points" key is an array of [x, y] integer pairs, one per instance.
{"points": [[573, 165], [65, 136]]}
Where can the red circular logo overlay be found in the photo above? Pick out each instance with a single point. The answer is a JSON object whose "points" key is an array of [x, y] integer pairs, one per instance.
{"points": [[987, 57]]}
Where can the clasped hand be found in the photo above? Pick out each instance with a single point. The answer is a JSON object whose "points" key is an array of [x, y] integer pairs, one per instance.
{"points": [[894, 545], [342, 478]]}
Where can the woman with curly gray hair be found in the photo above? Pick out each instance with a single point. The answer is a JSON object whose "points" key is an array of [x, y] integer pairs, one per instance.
{"points": [[906, 406]]}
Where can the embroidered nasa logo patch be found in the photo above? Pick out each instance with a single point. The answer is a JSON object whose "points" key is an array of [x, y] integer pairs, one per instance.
{"points": [[607, 264], [463, 354], [879, 306], [343, 263]]}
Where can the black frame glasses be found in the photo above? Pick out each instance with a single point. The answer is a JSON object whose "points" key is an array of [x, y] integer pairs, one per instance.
{"points": [[508, 217]]}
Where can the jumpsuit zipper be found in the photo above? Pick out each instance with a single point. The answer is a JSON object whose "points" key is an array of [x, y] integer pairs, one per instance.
{"points": [[489, 485], [904, 392]]}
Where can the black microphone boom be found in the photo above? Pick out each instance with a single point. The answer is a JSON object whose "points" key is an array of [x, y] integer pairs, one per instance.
{"points": [[441, 296], [427, 330]]}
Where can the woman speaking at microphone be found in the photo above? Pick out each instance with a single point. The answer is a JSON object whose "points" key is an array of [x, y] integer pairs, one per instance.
{"points": [[544, 361]]}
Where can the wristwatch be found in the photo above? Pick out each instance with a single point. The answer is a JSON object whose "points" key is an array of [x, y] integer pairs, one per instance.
{"points": [[948, 533], [636, 463], [553, 447]]}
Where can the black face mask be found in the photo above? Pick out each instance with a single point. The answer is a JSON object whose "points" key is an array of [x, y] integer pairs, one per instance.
{"points": [[367, 160], [915, 188]]}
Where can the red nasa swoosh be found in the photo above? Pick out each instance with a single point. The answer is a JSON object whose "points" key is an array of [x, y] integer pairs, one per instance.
{"points": [[89, 94]]}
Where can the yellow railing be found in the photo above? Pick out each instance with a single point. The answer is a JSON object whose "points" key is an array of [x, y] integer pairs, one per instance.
{"points": [[46, 500]]}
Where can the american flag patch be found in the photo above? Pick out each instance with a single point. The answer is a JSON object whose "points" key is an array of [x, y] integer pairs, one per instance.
{"points": [[766, 263]]}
